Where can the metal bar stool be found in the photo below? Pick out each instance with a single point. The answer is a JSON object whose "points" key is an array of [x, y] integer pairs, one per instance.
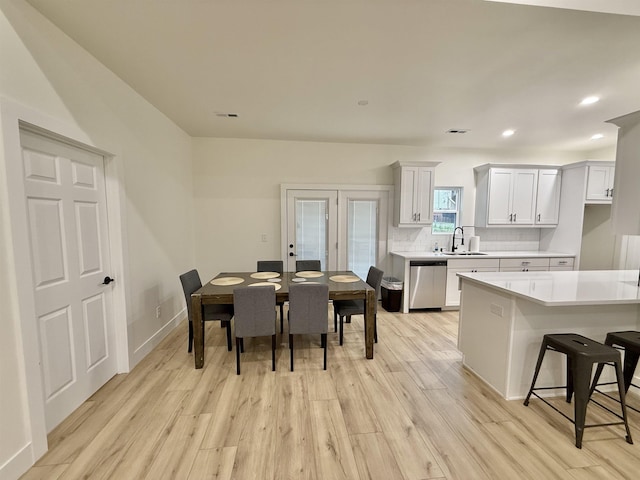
{"points": [[629, 342], [582, 353]]}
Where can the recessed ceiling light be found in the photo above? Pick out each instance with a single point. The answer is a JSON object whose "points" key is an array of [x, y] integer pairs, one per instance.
{"points": [[508, 133], [589, 100], [597, 136]]}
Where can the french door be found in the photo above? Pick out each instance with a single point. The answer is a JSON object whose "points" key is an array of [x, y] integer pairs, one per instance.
{"points": [[311, 227], [346, 229], [68, 230]]}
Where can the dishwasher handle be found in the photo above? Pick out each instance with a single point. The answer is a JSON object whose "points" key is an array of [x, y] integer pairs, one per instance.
{"points": [[428, 263]]}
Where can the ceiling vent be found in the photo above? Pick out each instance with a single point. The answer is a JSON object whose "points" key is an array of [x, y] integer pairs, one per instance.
{"points": [[226, 115], [457, 130]]}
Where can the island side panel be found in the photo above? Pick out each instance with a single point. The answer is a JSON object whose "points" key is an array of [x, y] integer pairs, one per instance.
{"points": [[484, 333], [532, 321]]}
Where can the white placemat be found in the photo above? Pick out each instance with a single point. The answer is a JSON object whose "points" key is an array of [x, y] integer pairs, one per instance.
{"points": [[309, 274], [225, 281], [264, 275], [344, 278]]}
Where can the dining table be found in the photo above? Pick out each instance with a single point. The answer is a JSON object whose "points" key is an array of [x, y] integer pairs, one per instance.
{"points": [[343, 285]]}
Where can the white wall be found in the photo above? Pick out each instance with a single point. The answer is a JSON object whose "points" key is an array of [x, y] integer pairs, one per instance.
{"points": [[44, 71], [237, 188]]}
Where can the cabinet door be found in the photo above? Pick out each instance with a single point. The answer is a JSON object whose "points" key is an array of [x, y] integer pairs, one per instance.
{"points": [[599, 183], [500, 193], [424, 197], [525, 184], [408, 188], [548, 197]]}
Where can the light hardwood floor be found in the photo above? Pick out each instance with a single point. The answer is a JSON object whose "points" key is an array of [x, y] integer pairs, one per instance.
{"points": [[413, 412]]}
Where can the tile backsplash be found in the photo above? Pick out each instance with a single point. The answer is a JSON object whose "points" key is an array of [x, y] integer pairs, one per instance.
{"points": [[491, 239]]}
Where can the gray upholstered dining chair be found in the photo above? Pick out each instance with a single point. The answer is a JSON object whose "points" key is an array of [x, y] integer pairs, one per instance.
{"points": [[255, 316], [273, 266], [308, 312], [223, 313], [308, 265], [347, 308]]}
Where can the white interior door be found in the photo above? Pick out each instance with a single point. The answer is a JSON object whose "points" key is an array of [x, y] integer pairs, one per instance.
{"points": [[312, 227], [67, 217]]}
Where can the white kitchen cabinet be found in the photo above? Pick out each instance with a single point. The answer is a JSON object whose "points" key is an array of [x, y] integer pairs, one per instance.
{"points": [[548, 197], [533, 264], [452, 296], [413, 182], [559, 264], [517, 196], [600, 184]]}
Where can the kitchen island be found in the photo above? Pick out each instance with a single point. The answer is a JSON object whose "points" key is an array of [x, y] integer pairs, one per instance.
{"points": [[503, 316]]}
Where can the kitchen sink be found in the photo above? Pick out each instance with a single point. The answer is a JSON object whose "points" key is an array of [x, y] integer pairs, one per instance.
{"points": [[464, 253]]}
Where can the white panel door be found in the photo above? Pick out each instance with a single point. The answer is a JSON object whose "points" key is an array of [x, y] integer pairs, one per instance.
{"points": [[66, 205], [312, 227]]}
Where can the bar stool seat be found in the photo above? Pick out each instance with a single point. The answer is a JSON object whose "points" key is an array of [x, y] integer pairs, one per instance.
{"points": [[582, 353], [629, 341]]}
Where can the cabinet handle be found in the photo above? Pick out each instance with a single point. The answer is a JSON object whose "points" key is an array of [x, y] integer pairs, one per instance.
{"points": [[538, 217], [607, 194], [514, 217], [562, 262], [525, 263], [511, 217], [418, 217], [611, 192]]}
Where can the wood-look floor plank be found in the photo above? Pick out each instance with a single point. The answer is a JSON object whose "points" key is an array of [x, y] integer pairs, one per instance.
{"points": [[171, 462], [334, 453], [213, 464], [374, 457], [294, 434]]}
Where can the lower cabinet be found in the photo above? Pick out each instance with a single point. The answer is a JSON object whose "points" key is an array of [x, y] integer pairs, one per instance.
{"points": [[466, 265]]}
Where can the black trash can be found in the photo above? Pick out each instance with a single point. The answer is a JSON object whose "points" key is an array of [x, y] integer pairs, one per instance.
{"points": [[391, 293]]}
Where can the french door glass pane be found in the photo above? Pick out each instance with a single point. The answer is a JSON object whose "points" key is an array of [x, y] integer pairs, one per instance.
{"points": [[362, 226], [311, 230]]}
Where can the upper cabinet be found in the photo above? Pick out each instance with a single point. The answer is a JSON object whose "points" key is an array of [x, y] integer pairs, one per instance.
{"points": [[517, 196], [625, 214], [413, 182], [599, 183]]}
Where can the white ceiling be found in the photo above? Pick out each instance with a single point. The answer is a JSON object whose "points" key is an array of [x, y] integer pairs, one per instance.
{"points": [[296, 69]]}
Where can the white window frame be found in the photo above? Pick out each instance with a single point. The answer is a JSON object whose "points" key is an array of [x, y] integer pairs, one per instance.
{"points": [[457, 211]]}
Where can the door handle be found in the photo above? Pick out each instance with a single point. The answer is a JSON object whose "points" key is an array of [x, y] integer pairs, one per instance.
{"points": [[107, 280]]}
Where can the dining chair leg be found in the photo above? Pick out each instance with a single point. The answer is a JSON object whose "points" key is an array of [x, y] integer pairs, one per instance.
{"points": [[375, 328], [273, 353], [238, 348], [242, 345], [190, 346], [341, 329], [324, 342], [348, 318], [281, 317], [229, 341], [291, 349], [335, 320]]}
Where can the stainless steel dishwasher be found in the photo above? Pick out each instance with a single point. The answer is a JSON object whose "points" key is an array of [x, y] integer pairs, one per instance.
{"points": [[427, 284]]}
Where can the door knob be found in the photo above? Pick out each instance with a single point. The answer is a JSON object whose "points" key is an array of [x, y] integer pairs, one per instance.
{"points": [[107, 280]]}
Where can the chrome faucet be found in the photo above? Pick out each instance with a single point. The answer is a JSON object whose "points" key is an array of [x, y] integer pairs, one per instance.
{"points": [[453, 240]]}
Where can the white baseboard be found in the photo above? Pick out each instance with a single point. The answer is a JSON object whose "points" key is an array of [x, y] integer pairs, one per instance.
{"points": [[144, 349], [18, 464]]}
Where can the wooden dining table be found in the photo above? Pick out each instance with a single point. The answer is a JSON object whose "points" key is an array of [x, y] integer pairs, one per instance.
{"points": [[221, 292]]}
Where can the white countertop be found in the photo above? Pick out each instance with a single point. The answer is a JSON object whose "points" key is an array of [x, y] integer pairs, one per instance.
{"points": [[580, 287], [502, 254]]}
